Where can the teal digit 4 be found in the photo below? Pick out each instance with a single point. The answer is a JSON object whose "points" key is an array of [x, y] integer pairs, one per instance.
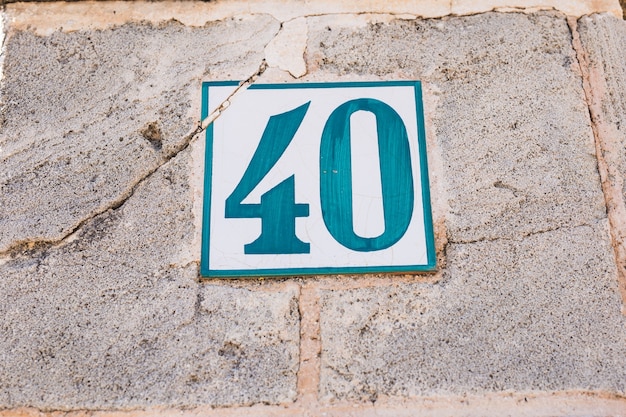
{"points": [[278, 209]]}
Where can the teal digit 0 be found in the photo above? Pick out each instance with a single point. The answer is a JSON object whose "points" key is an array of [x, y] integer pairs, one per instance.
{"points": [[336, 175], [278, 209]]}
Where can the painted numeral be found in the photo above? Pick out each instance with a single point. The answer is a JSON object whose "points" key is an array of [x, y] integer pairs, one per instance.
{"points": [[336, 175], [278, 209]]}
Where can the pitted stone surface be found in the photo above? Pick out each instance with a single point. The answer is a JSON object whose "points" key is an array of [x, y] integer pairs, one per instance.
{"points": [[87, 114], [538, 314], [511, 122], [113, 320]]}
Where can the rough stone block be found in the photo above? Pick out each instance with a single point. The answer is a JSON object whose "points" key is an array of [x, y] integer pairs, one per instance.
{"points": [[603, 38], [112, 319], [529, 297], [542, 314], [113, 315], [87, 114], [507, 112]]}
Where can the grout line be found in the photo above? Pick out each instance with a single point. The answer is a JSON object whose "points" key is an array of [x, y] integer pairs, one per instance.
{"points": [[327, 282], [531, 403], [607, 151], [310, 346]]}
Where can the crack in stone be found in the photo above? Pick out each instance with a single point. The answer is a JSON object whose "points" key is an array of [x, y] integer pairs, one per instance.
{"points": [[511, 9], [277, 62], [412, 16], [187, 139], [520, 238], [399, 16]]}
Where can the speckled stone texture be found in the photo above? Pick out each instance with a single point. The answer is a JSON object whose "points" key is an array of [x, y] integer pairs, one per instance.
{"points": [[89, 113], [111, 319], [529, 298], [510, 120], [114, 316], [538, 314], [603, 38]]}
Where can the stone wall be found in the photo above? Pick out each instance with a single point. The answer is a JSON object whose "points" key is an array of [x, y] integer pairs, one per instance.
{"points": [[103, 311]]}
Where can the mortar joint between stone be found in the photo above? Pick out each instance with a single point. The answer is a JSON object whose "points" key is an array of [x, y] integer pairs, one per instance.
{"points": [[614, 205]]}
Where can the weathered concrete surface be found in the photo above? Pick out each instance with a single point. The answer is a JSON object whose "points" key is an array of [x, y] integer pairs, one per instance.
{"points": [[529, 299], [539, 314], [86, 115], [112, 320]]}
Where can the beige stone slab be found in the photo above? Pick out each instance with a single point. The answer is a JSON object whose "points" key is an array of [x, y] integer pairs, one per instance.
{"points": [[572, 8], [527, 404], [48, 17]]}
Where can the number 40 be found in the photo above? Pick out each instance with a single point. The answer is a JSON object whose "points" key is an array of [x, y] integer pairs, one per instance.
{"points": [[278, 209]]}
